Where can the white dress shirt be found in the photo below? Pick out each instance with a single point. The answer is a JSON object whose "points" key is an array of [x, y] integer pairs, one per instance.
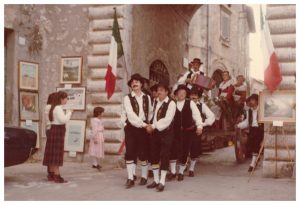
{"points": [[195, 112], [47, 121], [183, 78], [245, 123], [210, 116], [165, 122], [59, 116], [133, 118]]}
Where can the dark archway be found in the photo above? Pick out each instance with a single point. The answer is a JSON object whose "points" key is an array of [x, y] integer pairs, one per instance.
{"points": [[158, 72]]}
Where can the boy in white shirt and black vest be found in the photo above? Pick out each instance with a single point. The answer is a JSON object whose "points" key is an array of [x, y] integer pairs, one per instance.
{"points": [[138, 110], [161, 130], [187, 120], [208, 118], [256, 130]]}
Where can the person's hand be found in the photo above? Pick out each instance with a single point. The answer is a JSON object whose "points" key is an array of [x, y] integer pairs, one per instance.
{"points": [[199, 131], [149, 129], [189, 80]]}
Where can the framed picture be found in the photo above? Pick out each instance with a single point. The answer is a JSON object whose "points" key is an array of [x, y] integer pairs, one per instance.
{"points": [[34, 126], [76, 98], [29, 105], [277, 106], [28, 75], [70, 71], [75, 135]]}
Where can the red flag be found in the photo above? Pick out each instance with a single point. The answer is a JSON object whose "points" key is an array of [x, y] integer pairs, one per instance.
{"points": [[115, 54], [272, 75]]}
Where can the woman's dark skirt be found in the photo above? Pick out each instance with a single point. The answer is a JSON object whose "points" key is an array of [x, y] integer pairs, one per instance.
{"points": [[54, 151]]}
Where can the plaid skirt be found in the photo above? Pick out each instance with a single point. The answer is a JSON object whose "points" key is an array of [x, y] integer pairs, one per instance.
{"points": [[54, 151]]}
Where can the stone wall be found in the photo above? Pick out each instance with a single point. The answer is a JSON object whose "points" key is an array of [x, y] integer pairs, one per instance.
{"points": [[204, 40], [159, 32], [64, 31]]}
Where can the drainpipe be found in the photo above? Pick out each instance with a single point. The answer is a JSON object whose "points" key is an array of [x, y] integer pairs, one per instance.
{"points": [[207, 35]]}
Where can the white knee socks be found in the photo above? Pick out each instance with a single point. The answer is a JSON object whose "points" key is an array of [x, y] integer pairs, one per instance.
{"points": [[192, 165], [173, 166], [130, 167], [163, 174]]}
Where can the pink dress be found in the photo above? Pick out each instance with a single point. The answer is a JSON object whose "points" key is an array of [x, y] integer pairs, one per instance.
{"points": [[96, 150]]}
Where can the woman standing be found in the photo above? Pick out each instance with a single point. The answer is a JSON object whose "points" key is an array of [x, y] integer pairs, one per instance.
{"points": [[54, 152], [47, 127]]}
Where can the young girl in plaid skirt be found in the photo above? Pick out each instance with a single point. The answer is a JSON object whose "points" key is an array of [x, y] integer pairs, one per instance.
{"points": [[96, 148], [54, 151]]}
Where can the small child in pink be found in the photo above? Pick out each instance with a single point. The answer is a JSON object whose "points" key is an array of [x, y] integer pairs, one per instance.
{"points": [[96, 148]]}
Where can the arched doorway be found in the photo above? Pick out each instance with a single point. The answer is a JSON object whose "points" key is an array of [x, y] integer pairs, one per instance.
{"points": [[158, 72]]}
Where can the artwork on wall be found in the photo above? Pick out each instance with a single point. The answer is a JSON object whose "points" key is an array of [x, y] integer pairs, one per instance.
{"points": [[75, 135], [34, 126], [28, 75], [29, 105], [76, 98], [277, 106], [70, 71]]}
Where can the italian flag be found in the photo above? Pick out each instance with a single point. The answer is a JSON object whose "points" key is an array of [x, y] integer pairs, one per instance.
{"points": [[115, 55], [272, 75]]}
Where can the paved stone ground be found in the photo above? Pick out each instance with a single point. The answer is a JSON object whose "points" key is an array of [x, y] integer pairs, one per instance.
{"points": [[218, 177]]}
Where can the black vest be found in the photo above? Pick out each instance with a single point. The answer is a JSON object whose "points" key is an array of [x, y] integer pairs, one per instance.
{"points": [[191, 73], [203, 116], [250, 119], [162, 111], [135, 105], [184, 118]]}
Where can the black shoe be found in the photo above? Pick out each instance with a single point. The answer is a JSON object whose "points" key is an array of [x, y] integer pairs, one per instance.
{"points": [[153, 185], [129, 183], [160, 187], [97, 167], [150, 174], [191, 174], [250, 169], [59, 179], [180, 177], [143, 181], [171, 176], [134, 177]]}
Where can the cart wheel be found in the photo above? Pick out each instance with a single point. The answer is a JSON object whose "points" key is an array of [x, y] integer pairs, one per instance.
{"points": [[240, 140]]}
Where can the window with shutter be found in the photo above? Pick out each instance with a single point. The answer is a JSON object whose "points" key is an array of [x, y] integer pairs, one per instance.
{"points": [[225, 25]]}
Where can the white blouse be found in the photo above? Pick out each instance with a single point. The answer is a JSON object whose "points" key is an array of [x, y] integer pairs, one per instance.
{"points": [[59, 116]]}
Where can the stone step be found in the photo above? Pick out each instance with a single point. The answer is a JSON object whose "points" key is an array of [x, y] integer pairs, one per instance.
{"points": [[282, 26], [98, 61], [288, 68], [287, 83], [101, 49], [100, 73], [284, 40], [286, 54], [105, 12], [110, 135], [116, 98], [106, 24], [110, 110], [282, 155], [284, 169], [282, 140], [281, 12], [99, 85], [103, 37], [113, 148]]}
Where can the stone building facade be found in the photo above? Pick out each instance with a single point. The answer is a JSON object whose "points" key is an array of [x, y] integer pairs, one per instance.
{"points": [[282, 23], [155, 38]]}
